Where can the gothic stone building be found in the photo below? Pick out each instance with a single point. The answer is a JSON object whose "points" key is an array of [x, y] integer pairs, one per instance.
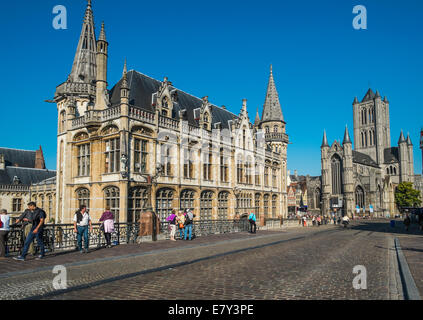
{"points": [[369, 174], [18, 170], [146, 144]]}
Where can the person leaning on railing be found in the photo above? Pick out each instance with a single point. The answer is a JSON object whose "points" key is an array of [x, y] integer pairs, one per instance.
{"points": [[81, 221], [26, 218], [180, 220]]}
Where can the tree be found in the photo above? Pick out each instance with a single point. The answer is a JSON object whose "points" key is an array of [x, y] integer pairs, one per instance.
{"points": [[406, 196]]}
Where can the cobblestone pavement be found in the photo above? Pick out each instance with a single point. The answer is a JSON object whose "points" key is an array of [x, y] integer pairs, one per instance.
{"points": [[300, 263]]}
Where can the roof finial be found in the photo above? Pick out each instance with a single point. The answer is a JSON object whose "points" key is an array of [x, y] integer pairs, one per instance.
{"points": [[102, 32], [125, 69], [271, 69], [89, 3]]}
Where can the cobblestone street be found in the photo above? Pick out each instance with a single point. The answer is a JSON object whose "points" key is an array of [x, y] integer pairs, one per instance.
{"points": [[297, 263]]}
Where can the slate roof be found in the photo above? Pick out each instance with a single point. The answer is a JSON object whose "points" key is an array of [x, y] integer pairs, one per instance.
{"points": [[370, 95], [21, 158], [391, 155], [143, 87], [365, 159], [27, 176]]}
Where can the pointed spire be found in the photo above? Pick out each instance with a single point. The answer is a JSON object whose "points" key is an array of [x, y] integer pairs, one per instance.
{"points": [[125, 77], [102, 36], [84, 67], [370, 95], [325, 140], [377, 95], [355, 101], [402, 138], [257, 120], [409, 140], [347, 138], [272, 110]]}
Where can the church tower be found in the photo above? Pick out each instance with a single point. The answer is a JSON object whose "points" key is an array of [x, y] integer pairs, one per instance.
{"points": [[371, 126], [274, 126]]}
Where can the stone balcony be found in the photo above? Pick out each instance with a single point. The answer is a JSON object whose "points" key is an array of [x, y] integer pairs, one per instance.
{"points": [[277, 136], [74, 88]]}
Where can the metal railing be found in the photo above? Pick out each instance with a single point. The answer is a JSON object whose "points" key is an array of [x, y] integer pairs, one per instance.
{"points": [[62, 237], [203, 228]]}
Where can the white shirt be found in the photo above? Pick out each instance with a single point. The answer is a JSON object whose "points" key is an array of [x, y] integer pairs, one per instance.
{"points": [[5, 219], [85, 219]]}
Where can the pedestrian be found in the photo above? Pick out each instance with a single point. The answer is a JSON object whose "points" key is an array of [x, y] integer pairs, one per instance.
{"points": [[38, 218], [252, 219], [305, 221], [189, 218], [172, 225], [4, 230], [108, 225], [319, 220], [81, 221], [407, 222], [313, 221], [180, 220], [26, 220], [334, 220]]}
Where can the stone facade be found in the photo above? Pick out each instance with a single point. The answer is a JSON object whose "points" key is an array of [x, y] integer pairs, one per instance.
{"points": [[145, 144], [368, 175]]}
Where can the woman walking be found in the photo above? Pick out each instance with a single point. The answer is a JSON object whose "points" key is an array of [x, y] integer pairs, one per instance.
{"points": [[108, 226], [172, 225]]}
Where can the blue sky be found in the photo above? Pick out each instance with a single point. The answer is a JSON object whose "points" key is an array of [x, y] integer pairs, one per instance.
{"points": [[223, 49]]}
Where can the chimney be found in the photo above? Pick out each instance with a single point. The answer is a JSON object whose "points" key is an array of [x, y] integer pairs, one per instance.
{"points": [[39, 159], [295, 173]]}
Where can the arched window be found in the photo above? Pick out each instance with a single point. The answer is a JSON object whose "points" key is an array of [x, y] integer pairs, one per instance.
{"points": [[206, 205], [359, 197], [112, 200], [187, 199], [275, 129], [138, 202], [266, 205], [257, 205], [336, 169], [223, 205], [164, 199], [62, 124], [274, 204], [83, 197]]}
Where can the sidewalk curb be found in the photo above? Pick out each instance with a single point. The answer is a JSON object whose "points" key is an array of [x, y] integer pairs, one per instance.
{"points": [[409, 286]]}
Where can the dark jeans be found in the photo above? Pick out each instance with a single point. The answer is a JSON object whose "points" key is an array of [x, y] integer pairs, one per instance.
{"points": [[82, 231], [3, 240], [31, 236], [108, 237], [253, 223]]}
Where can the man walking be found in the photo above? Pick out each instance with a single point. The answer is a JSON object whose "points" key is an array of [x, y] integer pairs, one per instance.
{"points": [[38, 218], [252, 219], [81, 221], [26, 219]]}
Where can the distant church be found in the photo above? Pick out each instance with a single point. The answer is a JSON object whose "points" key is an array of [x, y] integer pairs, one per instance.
{"points": [[364, 179]]}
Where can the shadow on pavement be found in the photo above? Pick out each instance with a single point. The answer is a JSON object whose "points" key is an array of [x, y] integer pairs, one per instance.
{"points": [[384, 226]]}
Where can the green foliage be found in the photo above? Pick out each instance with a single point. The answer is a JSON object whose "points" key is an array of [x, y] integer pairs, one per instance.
{"points": [[406, 196]]}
